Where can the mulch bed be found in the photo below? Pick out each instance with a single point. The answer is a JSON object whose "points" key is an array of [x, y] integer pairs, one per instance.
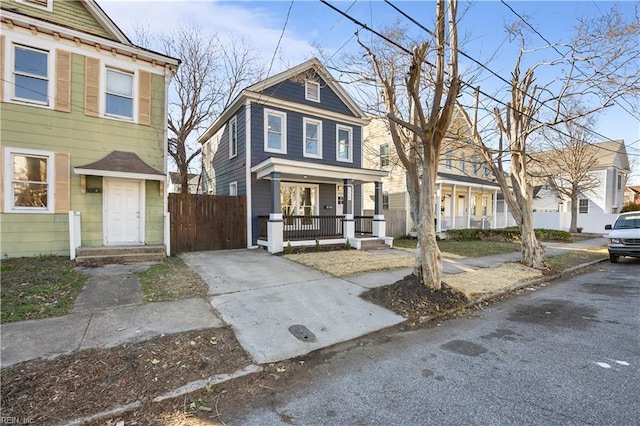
{"points": [[94, 380], [410, 298]]}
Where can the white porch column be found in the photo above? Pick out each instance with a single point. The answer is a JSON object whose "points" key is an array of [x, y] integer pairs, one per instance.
{"points": [[379, 224], [468, 207], [275, 225], [439, 209], [495, 210], [506, 213], [348, 224], [453, 207]]}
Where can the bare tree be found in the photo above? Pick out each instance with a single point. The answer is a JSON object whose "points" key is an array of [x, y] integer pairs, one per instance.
{"points": [[566, 164], [598, 67], [418, 127], [212, 72]]}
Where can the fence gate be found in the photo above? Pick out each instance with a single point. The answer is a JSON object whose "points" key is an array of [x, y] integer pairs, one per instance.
{"points": [[207, 222]]}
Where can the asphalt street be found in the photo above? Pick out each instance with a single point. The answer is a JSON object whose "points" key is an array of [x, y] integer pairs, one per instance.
{"points": [[567, 353]]}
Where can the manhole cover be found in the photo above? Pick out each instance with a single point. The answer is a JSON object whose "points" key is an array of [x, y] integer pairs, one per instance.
{"points": [[302, 333]]}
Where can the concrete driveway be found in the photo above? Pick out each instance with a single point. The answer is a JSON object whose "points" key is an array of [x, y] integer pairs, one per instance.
{"points": [[266, 299]]}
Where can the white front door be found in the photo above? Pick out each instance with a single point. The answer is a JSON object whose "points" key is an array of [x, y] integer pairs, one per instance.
{"points": [[123, 211]]}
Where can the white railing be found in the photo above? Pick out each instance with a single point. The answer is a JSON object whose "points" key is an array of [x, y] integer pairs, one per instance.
{"points": [[75, 236]]}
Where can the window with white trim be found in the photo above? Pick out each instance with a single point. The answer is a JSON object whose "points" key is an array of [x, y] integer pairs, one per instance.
{"points": [[583, 206], [28, 181], [312, 91], [119, 94], [385, 200], [474, 164], [344, 143], [448, 158], [233, 188], [463, 163], [312, 138], [233, 137], [275, 131], [619, 182], [385, 155], [31, 74]]}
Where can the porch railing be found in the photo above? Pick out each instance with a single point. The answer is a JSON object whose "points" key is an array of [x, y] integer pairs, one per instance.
{"points": [[312, 227], [305, 227], [363, 225], [262, 227]]}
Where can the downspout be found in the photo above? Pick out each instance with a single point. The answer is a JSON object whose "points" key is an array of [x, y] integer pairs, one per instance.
{"points": [[247, 146], [168, 75]]}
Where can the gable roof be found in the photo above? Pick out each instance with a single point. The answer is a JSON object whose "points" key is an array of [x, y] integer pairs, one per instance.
{"points": [[120, 164], [116, 41], [254, 92], [605, 154]]}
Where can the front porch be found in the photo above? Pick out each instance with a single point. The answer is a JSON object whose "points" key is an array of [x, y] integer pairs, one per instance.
{"points": [[298, 191]]}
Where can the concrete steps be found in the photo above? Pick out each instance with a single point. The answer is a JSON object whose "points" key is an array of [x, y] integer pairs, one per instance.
{"points": [[373, 245], [94, 256]]}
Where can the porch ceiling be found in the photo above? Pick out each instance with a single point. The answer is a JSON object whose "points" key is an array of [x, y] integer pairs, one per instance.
{"points": [[292, 169]]}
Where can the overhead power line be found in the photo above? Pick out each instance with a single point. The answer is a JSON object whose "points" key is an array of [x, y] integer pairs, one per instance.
{"points": [[463, 83]]}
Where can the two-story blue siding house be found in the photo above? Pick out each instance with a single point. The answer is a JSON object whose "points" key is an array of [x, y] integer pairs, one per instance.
{"points": [[292, 144]]}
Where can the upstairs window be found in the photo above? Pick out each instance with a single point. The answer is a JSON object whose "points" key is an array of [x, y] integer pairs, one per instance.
{"points": [[474, 164], [312, 138], [119, 94], [448, 158], [385, 156], [463, 163], [233, 137], [275, 129], [312, 91], [344, 147], [31, 74]]}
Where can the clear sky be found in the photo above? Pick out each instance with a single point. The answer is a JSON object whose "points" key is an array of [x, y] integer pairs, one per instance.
{"points": [[312, 23]]}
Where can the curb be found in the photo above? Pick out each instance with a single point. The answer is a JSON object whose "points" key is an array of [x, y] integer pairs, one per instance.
{"points": [[188, 388], [529, 283]]}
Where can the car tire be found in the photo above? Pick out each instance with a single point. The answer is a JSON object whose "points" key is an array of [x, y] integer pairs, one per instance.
{"points": [[613, 258]]}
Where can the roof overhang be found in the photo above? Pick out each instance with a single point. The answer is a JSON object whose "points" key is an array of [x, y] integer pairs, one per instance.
{"points": [[475, 183], [120, 164], [314, 172], [124, 48]]}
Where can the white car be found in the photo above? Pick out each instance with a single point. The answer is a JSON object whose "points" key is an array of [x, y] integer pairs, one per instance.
{"points": [[624, 238]]}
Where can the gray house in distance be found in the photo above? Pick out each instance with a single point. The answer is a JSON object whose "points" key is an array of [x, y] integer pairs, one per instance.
{"points": [[292, 144]]}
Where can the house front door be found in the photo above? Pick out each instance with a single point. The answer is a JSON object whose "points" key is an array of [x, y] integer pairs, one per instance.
{"points": [[123, 219]]}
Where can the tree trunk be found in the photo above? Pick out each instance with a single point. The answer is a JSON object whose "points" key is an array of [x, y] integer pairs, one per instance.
{"points": [[574, 213], [413, 188], [532, 251], [430, 258]]}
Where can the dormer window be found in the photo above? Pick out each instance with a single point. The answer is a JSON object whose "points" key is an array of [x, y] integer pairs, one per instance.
{"points": [[312, 91]]}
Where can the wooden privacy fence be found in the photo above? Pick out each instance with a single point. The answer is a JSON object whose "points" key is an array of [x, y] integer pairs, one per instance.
{"points": [[396, 226], [207, 222]]}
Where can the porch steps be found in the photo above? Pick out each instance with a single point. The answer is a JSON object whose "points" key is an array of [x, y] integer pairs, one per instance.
{"points": [[89, 256], [373, 245]]}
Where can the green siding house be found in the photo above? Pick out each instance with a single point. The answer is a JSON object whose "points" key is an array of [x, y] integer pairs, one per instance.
{"points": [[83, 130]]}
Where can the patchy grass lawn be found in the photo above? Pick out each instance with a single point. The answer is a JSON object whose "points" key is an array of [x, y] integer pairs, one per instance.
{"points": [[464, 248], [348, 262], [490, 280], [38, 287], [569, 259], [171, 280]]}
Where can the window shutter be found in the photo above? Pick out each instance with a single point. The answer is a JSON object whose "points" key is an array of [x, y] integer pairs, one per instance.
{"points": [[62, 191], [91, 86], [63, 81], [2, 68], [144, 98], [1, 180]]}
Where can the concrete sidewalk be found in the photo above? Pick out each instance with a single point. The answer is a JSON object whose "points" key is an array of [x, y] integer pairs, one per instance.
{"points": [[261, 296], [108, 312]]}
